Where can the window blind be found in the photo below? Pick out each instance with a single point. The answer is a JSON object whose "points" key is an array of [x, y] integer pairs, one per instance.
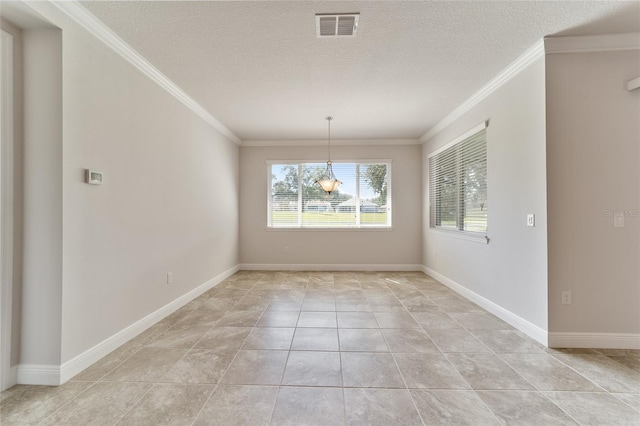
{"points": [[458, 186]]}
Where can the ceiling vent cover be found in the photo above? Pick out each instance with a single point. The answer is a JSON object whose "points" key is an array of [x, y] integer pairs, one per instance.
{"points": [[336, 24]]}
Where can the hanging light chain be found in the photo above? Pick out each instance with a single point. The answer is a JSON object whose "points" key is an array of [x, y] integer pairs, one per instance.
{"points": [[328, 182], [329, 118]]}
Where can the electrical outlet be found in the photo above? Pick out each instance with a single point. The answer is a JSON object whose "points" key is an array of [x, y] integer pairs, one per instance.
{"points": [[618, 220], [531, 219], [566, 297], [169, 277], [286, 249]]}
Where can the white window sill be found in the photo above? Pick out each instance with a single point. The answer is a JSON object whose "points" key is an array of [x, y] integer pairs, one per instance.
{"points": [[336, 229], [461, 235]]}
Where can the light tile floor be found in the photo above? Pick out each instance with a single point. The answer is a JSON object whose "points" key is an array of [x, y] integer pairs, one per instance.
{"points": [[326, 348]]}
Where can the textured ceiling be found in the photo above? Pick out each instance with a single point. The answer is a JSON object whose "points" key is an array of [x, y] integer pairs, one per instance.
{"points": [[259, 68]]}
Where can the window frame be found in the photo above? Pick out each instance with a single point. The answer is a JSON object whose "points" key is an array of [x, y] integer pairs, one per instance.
{"points": [[358, 226], [458, 230]]}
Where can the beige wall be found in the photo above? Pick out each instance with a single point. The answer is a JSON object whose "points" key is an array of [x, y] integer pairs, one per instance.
{"points": [[593, 167], [510, 271], [169, 202], [396, 247]]}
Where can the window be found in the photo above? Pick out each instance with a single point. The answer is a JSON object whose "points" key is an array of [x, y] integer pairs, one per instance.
{"points": [[297, 201], [458, 184]]}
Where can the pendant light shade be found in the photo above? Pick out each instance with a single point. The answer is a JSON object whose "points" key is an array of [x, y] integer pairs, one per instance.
{"points": [[328, 182]]}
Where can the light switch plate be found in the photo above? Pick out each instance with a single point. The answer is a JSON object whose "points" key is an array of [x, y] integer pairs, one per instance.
{"points": [[618, 220], [531, 219]]}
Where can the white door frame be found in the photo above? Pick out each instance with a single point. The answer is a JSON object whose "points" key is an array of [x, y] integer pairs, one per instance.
{"points": [[7, 375]]}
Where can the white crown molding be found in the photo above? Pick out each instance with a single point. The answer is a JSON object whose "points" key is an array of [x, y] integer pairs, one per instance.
{"points": [[337, 142], [533, 53], [594, 340], [93, 25], [530, 329], [329, 267], [592, 43]]}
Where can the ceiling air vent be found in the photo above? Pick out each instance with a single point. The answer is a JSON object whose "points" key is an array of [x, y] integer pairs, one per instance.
{"points": [[336, 24]]}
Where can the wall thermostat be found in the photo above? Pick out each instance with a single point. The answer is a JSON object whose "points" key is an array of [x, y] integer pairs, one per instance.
{"points": [[93, 177]]}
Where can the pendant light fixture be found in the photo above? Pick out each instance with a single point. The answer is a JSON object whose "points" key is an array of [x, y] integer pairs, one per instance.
{"points": [[328, 182]]}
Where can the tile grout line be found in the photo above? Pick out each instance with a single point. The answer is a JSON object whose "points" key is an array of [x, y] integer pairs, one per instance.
{"points": [[559, 407], [344, 398], [626, 403], [471, 389], [136, 404], [536, 389], [395, 362], [541, 390], [275, 401], [197, 416], [217, 385], [69, 401], [99, 379], [284, 369], [581, 374]]}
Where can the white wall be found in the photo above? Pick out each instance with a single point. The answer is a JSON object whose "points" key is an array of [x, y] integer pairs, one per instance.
{"points": [[397, 247], [169, 202], [17, 188], [510, 271], [593, 167], [41, 328]]}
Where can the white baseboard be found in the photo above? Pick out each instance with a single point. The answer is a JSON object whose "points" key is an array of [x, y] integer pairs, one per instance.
{"points": [[57, 375], [13, 375], [10, 379], [90, 356], [509, 317], [329, 267], [594, 340], [33, 374]]}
